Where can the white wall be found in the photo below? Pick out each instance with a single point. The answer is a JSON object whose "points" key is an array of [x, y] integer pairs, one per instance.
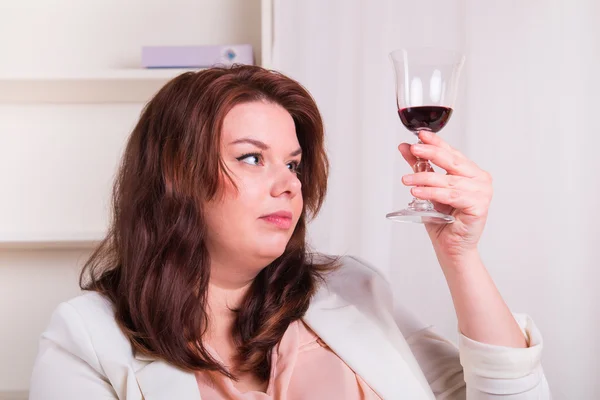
{"points": [[528, 114], [62, 36], [533, 104]]}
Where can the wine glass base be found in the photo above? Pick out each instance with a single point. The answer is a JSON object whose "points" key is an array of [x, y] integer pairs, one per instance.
{"points": [[420, 217]]}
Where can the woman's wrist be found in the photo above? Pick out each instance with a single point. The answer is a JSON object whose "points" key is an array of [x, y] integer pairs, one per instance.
{"points": [[461, 261]]}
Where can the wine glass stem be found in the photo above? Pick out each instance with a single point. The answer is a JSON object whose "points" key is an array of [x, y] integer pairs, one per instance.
{"points": [[421, 165]]}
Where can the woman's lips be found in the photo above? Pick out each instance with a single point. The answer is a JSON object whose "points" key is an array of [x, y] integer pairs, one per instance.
{"points": [[282, 219]]}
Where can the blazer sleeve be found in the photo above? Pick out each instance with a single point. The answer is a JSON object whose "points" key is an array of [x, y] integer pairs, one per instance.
{"points": [[472, 370], [66, 366]]}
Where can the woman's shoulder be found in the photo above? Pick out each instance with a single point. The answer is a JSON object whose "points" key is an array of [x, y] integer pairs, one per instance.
{"points": [[83, 354], [86, 327], [91, 309], [354, 268], [357, 281], [92, 302]]}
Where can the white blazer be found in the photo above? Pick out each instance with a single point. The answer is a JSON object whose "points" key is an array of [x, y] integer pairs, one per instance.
{"points": [[84, 355]]}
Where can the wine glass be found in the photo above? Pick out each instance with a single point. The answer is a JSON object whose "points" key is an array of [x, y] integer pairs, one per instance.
{"points": [[426, 88]]}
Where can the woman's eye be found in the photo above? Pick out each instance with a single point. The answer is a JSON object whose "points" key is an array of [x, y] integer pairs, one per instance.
{"points": [[256, 159], [294, 166], [252, 159]]}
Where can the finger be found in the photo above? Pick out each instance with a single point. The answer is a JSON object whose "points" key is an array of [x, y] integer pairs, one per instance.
{"points": [[443, 208], [433, 139], [470, 203], [431, 179], [430, 138], [412, 160], [452, 161], [408, 156]]}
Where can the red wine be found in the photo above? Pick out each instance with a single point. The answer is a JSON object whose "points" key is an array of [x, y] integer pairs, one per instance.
{"points": [[430, 118]]}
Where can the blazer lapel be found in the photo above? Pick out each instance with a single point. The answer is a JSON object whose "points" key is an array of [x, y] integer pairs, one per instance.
{"points": [[159, 380], [364, 346], [371, 348]]}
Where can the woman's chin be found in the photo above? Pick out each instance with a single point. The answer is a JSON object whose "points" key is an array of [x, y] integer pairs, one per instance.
{"points": [[270, 247], [272, 251]]}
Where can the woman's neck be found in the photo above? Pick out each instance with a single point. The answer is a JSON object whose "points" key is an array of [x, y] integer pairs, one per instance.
{"points": [[221, 303], [225, 294]]}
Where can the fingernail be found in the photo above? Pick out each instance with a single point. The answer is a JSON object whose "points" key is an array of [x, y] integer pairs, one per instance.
{"points": [[416, 191], [407, 179], [425, 133]]}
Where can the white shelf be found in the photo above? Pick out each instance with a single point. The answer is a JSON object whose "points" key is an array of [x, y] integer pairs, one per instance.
{"points": [[108, 86], [14, 395], [105, 75], [51, 241]]}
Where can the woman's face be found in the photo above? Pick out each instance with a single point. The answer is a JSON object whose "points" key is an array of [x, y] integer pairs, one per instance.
{"points": [[250, 227]]}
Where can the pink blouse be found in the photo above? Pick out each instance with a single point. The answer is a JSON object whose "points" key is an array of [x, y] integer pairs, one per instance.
{"points": [[303, 367]]}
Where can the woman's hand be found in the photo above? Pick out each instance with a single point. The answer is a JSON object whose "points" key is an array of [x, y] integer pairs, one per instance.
{"points": [[465, 192]]}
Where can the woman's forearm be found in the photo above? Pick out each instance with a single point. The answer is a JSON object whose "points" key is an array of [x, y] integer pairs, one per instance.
{"points": [[482, 314]]}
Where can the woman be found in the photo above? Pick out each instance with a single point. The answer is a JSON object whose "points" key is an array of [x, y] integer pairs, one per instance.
{"points": [[204, 287]]}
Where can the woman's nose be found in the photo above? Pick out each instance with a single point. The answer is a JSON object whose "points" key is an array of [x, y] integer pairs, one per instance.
{"points": [[285, 182]]}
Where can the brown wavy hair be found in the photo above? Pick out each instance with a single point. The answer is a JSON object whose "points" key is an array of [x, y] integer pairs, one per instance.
{"points": [[153, 264]]}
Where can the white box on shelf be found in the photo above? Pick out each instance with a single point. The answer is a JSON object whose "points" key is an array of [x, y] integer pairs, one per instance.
{"points": [[196, 56]]}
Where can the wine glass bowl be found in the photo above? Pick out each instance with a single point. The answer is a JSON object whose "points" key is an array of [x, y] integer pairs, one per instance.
{"points": [[426, 89]]}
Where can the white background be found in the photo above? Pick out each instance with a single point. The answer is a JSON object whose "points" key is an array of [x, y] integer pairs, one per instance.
{"points": [[527, 113]]}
